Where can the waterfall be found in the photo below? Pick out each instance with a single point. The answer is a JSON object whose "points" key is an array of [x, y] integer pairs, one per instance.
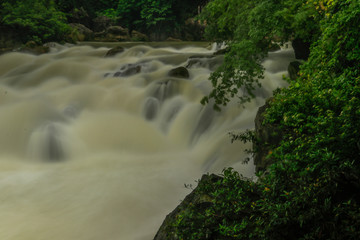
{"points": [[95, 147]]}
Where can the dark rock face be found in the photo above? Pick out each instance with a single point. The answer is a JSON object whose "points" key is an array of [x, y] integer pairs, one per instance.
{"points": [[180, 72], [301, 49], [267, 136], [293, 69], [195, 198], [114, 51]]}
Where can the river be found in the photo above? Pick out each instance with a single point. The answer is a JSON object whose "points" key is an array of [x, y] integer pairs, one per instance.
{"points": [[95, 147]]}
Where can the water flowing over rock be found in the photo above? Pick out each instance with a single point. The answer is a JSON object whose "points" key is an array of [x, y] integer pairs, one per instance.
{"points": [[114, 51], [106, 143], [179, 72]]}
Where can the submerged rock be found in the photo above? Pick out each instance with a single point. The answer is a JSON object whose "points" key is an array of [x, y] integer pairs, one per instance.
{"points": [[128, 70], [114, 51], [179, 72]]}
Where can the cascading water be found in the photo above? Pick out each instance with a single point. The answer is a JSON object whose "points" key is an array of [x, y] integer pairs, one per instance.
{"points": [[95, 147]]}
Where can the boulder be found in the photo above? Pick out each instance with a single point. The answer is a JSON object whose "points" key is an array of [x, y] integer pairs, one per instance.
{"points": [[293, 69], [81, 33], [267, 136], [117, 30], [128, 70], [179, 72], [114, 51], [138, 36]]}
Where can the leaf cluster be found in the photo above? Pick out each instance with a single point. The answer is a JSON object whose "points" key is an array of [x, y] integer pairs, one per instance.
{"points": [[37, 20], [312, 189]]}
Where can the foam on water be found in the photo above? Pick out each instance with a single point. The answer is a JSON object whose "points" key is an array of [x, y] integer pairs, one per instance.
{"points": [[88, 155]]}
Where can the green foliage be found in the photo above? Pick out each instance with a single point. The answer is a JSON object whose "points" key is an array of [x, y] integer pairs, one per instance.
{"points": [[230, 214], [312, 190], [92, 7], [37, 20], [249, 29]]}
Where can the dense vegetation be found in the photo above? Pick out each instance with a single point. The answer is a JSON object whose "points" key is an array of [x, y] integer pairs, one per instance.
{"points": [[46, 20], [312, 189]]}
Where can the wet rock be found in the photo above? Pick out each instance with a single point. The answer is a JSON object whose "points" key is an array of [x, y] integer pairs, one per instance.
{"points": [[179, 72], [206, 61], [128, 70], [293, 69], [114, 51]]}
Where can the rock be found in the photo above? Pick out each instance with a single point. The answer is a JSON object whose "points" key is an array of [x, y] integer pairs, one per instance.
{"points": [[171, 39], [266, 138], [206, 61], [101, 23], [138, 36], [179, 72], [114, 51], [293, 69], [117, 30], [128, 70], [301, 49], [196, 198], [81, 33]]}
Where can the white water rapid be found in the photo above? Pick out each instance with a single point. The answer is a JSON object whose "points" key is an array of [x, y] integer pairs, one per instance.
{"points": [[95, 147]]}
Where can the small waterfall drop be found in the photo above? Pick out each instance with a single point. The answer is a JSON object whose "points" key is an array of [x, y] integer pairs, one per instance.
{"points": [[95, 147]]}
